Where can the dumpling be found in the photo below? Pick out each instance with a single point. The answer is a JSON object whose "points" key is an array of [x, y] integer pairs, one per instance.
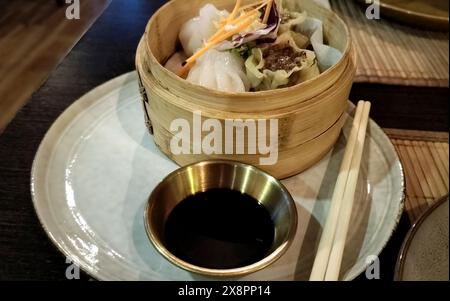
{"points": [[196, 31], [220, 70], [327, 56], [279, 65]]}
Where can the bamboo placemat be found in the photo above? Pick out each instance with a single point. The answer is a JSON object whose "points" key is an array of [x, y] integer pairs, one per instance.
{"points": [[391, 53], [426, 165]]}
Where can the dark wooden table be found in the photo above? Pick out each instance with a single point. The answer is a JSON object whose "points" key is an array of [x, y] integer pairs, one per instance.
{"points": [[106, 51]]}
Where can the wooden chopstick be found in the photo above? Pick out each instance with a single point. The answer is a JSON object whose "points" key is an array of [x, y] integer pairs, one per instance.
{"points": [[342, 199], [337, 252], [327, 238]]}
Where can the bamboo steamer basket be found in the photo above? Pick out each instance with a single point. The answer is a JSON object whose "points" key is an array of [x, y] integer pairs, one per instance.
{"points": [[310, 115]]}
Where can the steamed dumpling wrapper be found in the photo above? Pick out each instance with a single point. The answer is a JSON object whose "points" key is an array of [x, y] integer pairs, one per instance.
{"points": [[327, 56], [196, 31], [296, 40], [289, 18], [222, 71], [281, 64]]}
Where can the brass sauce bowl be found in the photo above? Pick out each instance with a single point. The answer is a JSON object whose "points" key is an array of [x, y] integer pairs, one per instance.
{"points": [[200, 177]]}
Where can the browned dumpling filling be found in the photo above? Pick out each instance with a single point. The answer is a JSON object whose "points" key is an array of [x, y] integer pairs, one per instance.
{"points": [[282, 57]]}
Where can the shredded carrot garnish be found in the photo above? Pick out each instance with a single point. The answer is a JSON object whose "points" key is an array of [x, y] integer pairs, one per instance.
{"points": [[190, 61], [229, 27], [231, 16], [233, 23], [226, 21], [235, 10], [268, 9], [243, 24]]}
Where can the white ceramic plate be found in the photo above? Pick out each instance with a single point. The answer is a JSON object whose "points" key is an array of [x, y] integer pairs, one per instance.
{"points": [[97, 165]]}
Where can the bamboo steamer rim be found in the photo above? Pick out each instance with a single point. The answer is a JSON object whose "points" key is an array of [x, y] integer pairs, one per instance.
{"points": [[267, 93]]}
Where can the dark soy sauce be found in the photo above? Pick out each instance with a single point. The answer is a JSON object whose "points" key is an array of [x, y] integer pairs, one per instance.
{"points": [[219, 229]]}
